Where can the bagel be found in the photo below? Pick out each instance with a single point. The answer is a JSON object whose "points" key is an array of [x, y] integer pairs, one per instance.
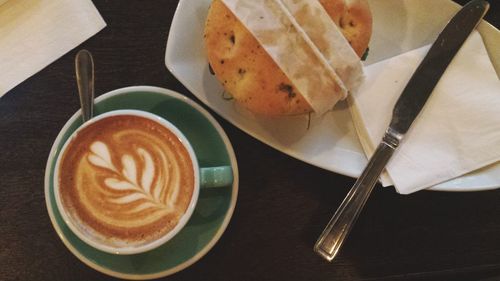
{"points": [[251, 76]]}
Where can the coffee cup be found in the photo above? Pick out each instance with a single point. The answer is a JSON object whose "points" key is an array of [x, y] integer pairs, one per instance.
{"points": [[127, 181]]}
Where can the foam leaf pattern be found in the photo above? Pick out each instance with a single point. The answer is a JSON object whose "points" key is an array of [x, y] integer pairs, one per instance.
{"points": [[149, 168], [127, 178], [118, 184], [129, 168], [100, 156]]}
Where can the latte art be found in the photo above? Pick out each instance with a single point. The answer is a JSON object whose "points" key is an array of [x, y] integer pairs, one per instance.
{"points": [[127, 179]]}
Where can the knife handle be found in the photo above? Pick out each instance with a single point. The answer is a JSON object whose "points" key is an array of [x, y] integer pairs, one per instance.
{"points": [[344, 218]]}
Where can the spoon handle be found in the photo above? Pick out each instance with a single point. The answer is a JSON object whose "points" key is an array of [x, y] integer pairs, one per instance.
{"points": [[84, 67]]}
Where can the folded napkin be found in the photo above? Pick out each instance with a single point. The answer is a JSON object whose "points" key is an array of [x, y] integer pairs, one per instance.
{"points": [[34, 33], [458, 130]]}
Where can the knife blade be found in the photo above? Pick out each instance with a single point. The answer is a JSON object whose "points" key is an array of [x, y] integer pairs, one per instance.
{"points": [[406, 109]]}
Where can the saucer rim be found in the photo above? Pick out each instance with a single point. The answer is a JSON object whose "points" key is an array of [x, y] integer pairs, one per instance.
{"points": [[199, 254]]}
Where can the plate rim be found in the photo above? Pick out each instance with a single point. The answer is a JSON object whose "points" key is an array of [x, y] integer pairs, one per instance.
{"points": [[218, 233], [169, 56]]}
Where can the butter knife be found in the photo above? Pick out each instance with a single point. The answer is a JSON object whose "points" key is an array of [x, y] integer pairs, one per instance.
{"points": [[408, 106]]}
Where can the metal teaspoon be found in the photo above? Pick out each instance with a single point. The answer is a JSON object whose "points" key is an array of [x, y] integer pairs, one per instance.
{"points": [[84, 67]]}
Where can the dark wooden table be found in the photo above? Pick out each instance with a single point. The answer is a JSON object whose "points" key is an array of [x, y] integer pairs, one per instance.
{"points": [[283, 203]]}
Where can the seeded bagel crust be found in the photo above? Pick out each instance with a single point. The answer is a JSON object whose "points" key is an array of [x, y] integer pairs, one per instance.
{"points": [[251, 76]]}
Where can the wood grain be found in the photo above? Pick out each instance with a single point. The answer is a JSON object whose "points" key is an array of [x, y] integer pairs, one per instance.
{"points": [[283, 203]]}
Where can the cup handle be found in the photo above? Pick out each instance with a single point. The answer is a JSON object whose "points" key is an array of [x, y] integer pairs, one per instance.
{"points": [[216, 176]]}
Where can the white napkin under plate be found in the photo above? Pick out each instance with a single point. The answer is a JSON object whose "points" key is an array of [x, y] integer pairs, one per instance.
{"points": [[34, 33], [458, 130]]}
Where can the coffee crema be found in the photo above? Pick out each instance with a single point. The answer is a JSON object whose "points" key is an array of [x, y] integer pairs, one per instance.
{"points": [[126, 180]]}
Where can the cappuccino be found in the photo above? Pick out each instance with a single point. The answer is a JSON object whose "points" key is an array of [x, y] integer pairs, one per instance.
{"points": [[125, 180]]}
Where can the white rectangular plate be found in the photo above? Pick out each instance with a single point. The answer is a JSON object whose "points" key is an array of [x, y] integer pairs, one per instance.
{"points": [[331, 141]]}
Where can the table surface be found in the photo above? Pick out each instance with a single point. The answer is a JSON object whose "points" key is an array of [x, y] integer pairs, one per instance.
{"points": [[283, 203]]}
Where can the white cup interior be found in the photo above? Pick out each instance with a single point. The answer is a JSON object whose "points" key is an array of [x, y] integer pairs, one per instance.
{"points": [[101, 245]]}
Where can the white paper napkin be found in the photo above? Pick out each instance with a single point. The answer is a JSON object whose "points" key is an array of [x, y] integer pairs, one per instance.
{"points": [[34, 33], [457, 131]]}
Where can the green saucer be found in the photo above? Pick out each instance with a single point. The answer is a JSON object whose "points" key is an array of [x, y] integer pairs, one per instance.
{"points": [[213, 211]]}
